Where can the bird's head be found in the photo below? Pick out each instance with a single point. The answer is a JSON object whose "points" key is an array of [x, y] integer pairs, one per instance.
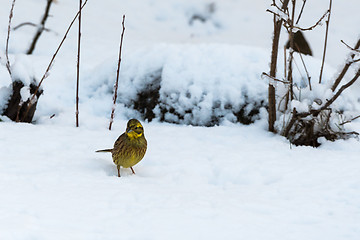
{"points": [[134, 129]]}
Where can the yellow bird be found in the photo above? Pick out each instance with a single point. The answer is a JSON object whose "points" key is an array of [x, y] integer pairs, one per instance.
{"points": [[130, 147]]}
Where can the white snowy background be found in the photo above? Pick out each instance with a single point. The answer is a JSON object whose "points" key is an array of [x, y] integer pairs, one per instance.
{"points": [[230, 181]]}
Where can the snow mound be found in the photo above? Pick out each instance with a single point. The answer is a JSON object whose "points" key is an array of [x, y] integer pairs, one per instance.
{"points": [[189, 84]]}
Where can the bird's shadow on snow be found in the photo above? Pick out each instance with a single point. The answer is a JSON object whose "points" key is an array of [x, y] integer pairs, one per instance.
{"points": [[109, 168]]}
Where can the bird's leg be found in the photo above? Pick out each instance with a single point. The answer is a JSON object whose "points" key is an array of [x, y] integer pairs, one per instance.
{"points": [[118, 168], [132, 170]]}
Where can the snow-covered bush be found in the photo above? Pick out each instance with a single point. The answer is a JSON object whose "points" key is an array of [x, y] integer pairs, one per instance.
{"points": [[191, 84], [15, 98], [307, 109], [306, 120]]}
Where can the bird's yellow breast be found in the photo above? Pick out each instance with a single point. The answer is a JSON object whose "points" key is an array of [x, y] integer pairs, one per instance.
{"points": [[128, 151]]}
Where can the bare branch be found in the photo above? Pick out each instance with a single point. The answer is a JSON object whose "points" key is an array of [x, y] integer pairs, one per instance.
{"points": [[290, 93], [41, 28], [275, 79], [117, 74], [345, 86], [301, 11], [273, 65], [346, 67], [349, 121], [325, 44], [282, 14], [31, 24], [331, 100], [8, 37], [276, 14], [78, 68], [46, 74], [291, 123], [315, 25], [303, 62], [351, 48], [24, 24]]}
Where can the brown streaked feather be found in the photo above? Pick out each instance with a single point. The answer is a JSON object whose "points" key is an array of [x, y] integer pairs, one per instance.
{"points": [[130, 147], [126, 152]]}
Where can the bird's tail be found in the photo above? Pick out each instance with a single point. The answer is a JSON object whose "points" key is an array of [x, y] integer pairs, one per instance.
{"points": [[104, 150]]}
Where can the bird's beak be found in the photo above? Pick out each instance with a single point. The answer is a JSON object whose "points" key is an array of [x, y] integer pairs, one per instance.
{"points": [[129, 131]]}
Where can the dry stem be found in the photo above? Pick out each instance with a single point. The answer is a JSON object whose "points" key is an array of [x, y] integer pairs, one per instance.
{"points": [[306, 71], [351, 48], [315, 25], [117, 74], [275, 79], [31, 24], [346, 67], [350, 120], [273, 64], [289, 95], [325, 44], [301, 11], [8, 37], [51, 61], [345, 86], [296, 115], [78, 68], [40, 29]]}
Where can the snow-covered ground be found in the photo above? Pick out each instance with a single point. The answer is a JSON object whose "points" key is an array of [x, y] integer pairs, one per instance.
{"points": [[229, 181], [232, 182]]}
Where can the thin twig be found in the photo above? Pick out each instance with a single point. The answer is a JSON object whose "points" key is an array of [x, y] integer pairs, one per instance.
{"points": [[51, 61], [117, 74], [8, 37], [303, 62], [285, 11], [325, 44], [279, 8], [278, 15], [290, 93], [351, 48], [31, 24], [41, 28], [275, 79], [346, 67], [297, 115], [78, 68], [301, 11], [290, 124], [285, 62], [350, 120], [334, 97], [297, 67], [345, 86], [315, 25], [279, 104]]}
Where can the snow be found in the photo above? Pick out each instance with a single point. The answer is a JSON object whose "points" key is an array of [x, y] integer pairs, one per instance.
{"points": [[21, 69], [229, 181], [5, 93], [237, 181], [206, 76]]}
